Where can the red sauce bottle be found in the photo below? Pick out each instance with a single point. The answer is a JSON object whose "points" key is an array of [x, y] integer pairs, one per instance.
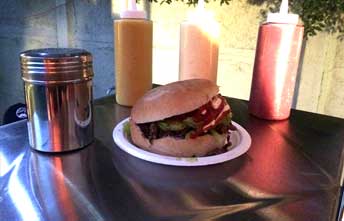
{"points": [[276, 63]]}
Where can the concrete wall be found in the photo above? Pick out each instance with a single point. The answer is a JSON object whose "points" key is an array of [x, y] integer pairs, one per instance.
{"points": [[90, 27], [20, 30], [28, 24], [315, 74], [332, 101]]}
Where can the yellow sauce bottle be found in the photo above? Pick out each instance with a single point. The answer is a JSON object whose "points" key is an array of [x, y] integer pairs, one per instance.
{"points": [[133, 55]]}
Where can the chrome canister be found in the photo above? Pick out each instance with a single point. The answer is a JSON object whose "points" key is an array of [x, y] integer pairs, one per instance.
{"points": [[58, 93]]}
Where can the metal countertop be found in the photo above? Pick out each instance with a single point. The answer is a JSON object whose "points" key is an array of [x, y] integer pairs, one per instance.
{"points": [[291, 172]]}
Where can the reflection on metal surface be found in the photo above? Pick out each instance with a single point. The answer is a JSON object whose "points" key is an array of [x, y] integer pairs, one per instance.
{"points": [[61, 177], [280, 178], [60, 116], [16, 190], [277, 167], [270, 213], [47, 187], [184, 193], [6, 166]]}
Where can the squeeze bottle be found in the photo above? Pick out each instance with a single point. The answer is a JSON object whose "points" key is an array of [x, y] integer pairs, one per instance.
{"points": [[133, 54], [199, 45], [276, 63]]}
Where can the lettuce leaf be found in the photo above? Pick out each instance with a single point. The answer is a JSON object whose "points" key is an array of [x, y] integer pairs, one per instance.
{"points": [[173, 126], [227, 119], [190, 122], [217, 136], [126, 129], [167, 125]]}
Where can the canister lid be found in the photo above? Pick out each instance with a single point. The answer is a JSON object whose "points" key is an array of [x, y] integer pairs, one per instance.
{"points": [[56, 65]]}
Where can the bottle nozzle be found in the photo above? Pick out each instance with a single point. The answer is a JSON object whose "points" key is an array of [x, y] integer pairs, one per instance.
{"points": [[200, 5], [131, 11], [284, 7], [283, 15], [132, 5]]}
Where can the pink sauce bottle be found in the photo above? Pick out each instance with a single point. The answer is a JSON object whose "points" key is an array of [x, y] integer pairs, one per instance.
{"points": [[276, 63], [199, 45]]}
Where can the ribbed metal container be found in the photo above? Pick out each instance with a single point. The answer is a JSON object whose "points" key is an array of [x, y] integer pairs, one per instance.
{"points": [[58, 93]]}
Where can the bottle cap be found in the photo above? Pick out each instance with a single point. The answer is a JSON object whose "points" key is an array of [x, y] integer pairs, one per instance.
{"points": [[132, 11], [283, 16]]}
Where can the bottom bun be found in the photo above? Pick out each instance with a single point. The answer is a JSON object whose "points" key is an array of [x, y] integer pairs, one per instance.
{"points": [[177, 147]]}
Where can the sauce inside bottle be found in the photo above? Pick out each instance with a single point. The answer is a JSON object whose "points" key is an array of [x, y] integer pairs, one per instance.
{"points": [[133, 56]]}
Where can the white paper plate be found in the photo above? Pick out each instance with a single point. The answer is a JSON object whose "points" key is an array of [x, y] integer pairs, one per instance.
{"points": [[240, 139]]}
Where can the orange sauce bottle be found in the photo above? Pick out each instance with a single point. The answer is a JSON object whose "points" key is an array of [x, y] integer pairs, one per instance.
{"points": [[133, 55]]}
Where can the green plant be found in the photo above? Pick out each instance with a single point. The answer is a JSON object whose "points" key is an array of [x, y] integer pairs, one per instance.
{"points": [[317, 15]]}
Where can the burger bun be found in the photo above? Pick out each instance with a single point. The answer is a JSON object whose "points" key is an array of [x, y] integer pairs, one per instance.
{"points": [[173, 99]]}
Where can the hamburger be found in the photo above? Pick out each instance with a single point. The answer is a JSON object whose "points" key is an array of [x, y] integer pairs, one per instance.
{"points": [[182, 119]]}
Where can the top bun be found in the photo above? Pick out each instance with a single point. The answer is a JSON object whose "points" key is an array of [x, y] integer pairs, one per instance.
{"points": [[173, 99]]}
